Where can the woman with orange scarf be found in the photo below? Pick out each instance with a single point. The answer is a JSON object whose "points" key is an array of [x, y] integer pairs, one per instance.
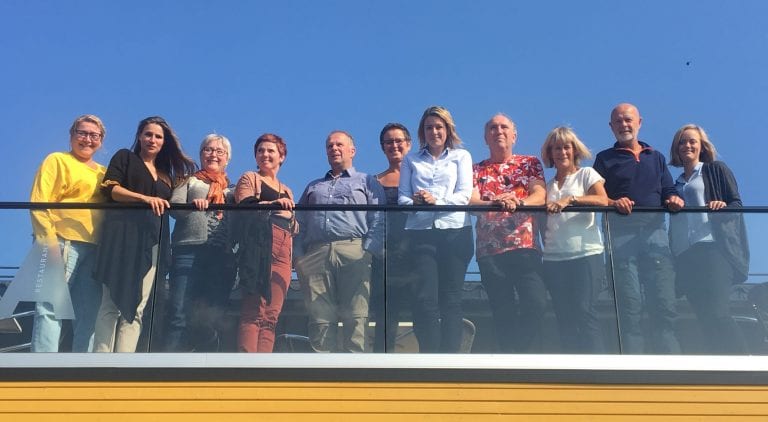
{"points": [[203, 271]]}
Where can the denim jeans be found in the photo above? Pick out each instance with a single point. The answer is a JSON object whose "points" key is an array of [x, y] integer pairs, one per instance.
{"points": [[200, 283], [644, 279], [86, 298]]}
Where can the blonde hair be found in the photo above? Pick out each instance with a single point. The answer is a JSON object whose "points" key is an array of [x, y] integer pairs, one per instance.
{"points": [[564, 135], [90, 118], [708, 151], [452, 139]]}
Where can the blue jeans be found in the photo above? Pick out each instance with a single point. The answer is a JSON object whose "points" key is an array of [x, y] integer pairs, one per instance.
{"points": [[644, 279], [86, 299], [200, 283]]}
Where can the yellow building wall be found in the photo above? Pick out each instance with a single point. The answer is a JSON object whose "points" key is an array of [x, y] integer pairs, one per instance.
{"points": [[355, 401]]}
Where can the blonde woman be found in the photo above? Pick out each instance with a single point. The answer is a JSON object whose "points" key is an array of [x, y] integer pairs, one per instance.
{"points": [[574, 270], [711, 249], [440, 173], [72, 176]]}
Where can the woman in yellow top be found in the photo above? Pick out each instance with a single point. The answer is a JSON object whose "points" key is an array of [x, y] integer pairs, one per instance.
{"points": [[71, 177]]}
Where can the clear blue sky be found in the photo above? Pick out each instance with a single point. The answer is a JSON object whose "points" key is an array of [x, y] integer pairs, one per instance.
{"points": [[303, 68]]}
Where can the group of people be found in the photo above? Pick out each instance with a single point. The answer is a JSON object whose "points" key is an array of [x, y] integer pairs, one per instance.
{"points": [[359, 263]]}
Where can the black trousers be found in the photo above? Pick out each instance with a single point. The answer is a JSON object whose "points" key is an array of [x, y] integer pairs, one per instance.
{"points": [[517, 297], [440, 260]]}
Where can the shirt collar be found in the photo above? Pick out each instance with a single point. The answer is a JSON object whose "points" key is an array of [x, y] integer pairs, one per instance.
{"points": [[425, 151], [645, 146], [345, 173]]}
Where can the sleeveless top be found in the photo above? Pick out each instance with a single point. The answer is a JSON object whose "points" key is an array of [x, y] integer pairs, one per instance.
{"points": [[270, 194]]}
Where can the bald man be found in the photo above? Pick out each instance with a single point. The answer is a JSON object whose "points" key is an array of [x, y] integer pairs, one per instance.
{"points": [[637, 175]]}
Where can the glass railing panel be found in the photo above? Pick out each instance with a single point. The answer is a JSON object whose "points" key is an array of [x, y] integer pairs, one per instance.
{"points": [[719, 276], [335, 252], [576, 273], [17, 310], [643, 279], [685, 283], [63, 279], [201, 298], [197, 294], [749, 300]]}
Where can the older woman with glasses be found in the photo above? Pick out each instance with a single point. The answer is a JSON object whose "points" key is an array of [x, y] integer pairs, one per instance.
{"points": [[203, 268]]}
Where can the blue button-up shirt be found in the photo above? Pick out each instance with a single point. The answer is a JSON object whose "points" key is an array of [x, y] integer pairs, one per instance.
{"points": [[350, 187], [448, 178], [687, 229]]}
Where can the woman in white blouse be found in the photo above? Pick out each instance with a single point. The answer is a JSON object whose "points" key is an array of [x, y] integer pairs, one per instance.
{"points": [[573, 247], [439, 173]]}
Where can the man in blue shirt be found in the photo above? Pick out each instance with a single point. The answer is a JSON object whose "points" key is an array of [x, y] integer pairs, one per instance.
{"points": [[637, 175], [332, 253]]}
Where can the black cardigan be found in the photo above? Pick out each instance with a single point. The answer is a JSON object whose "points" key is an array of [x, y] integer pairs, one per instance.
{"points": [[728, 229]]}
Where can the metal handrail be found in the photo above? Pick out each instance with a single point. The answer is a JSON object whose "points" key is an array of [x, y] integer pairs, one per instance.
{"points": [[355, 207]]}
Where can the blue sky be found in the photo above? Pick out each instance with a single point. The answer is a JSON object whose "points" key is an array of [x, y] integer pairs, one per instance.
{"points": [[301, 69]]}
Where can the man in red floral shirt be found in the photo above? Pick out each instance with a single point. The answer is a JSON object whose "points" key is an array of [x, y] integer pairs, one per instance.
{"points": [[508, 250]]}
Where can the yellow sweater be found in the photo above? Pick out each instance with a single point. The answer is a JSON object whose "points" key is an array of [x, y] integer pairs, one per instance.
{"points": [[62, 178]]}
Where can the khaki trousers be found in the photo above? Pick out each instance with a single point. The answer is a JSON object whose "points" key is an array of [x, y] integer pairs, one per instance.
{"points": [[335, 280], [113, 332]]}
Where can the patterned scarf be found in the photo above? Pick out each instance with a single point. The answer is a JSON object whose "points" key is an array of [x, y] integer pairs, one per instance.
{"points": [[218, 182]]}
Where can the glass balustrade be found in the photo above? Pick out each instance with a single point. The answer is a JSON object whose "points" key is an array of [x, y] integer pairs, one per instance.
{"points": [[608, 284]]}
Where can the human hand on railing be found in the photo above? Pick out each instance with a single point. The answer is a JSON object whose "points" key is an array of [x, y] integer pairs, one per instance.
{"points": [[674, 203], [508, 201], [201, 204], [158, 205], [424, 197], [557, 206], [623, 205], [716, 205], [285, 203]]}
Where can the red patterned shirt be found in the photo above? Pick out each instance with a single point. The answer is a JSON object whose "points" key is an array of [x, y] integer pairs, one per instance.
{"points": [[499, 232]]}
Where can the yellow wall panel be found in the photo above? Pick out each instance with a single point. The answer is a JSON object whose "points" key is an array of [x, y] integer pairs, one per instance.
{"points": [[234, 401]]}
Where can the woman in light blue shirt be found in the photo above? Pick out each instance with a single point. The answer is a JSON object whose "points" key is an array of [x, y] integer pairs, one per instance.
{"points": [[439, 173], [710, 248]]}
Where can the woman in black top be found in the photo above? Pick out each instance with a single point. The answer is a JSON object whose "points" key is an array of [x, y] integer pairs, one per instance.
{"points": [[130, 248], [389, 275]]}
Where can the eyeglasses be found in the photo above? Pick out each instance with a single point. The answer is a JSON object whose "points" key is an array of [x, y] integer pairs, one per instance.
{"points": [[218, 151], [397, 141], [93, 136]]}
